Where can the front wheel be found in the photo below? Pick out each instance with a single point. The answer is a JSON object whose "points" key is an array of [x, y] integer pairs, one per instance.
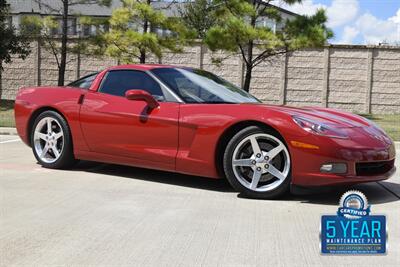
{"points": [[51, 141], [257, 163]]}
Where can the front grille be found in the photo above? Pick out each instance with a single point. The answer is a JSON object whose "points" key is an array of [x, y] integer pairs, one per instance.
{"points": [[374, 168]]}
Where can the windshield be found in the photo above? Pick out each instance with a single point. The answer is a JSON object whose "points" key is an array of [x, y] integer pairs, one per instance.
{"points": [[199, 86]]}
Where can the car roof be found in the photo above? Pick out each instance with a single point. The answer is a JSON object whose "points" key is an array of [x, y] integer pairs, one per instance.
{"points": [[142, 67]]}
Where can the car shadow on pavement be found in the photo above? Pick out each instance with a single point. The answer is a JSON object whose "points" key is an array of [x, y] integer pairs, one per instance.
{"points": [[377, 193], [156, 176]]}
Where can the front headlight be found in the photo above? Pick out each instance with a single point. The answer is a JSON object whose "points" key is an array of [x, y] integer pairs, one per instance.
{"points": [[319, 128]]}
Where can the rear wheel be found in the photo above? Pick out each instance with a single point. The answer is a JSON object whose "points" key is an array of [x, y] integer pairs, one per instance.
{"points": [[257, 163], [51, 141]]}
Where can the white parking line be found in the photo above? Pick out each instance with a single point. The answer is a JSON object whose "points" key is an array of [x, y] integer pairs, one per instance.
{"points": [[10, 141]]}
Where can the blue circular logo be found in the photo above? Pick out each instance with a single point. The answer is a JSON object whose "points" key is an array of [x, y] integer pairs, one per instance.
{"points": [[353, 205]]}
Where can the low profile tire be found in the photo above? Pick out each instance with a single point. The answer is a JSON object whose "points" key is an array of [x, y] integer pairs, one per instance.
{"points": [[51, 141], [257, 163]]}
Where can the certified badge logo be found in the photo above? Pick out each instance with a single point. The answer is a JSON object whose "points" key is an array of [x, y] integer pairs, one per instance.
{"points": [[353, 230], [353, 205]]}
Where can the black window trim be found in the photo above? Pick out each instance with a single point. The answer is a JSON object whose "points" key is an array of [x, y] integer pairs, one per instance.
{"points": [[82, 78], [165, 88]]}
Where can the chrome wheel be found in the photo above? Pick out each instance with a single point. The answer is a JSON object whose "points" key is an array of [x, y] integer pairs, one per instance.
{"points": [[261, 162], [48, 140]]}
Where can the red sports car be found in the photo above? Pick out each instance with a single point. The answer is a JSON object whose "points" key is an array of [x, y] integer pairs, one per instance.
{"points": [[191, 121]]}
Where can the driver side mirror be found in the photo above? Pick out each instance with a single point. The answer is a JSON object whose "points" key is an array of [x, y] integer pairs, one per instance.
{"points": [[141, 95]]}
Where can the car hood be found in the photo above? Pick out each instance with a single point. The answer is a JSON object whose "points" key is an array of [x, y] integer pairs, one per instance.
{"points": [[333, 117]]}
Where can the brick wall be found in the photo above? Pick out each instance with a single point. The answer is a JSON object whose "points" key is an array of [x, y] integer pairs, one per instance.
{"points": [[353, 78]]}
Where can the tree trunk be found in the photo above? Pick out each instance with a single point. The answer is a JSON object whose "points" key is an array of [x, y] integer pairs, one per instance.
{"points": [[64, 40], [1, 71], [247, 78], [249, 67], [142, 57], [249, 63], [143, 50]]}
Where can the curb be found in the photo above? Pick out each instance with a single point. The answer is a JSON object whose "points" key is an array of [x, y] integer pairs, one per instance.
{"points": [[8, 131]]}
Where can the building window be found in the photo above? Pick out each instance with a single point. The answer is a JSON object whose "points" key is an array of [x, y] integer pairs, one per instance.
{"points": [[91, 30], [71, 24], [264, 22], [86, 30], [27, 25], [71, 27], [162, 32], [105, 27]]}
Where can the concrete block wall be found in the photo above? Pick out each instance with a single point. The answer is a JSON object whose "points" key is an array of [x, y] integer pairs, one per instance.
{"points": [[88, 65], [385, 91], [267, 80], [230, 68], [305, 74], [49, 69], [360, 79], [348, 73], [18, 74], [190, 57]]}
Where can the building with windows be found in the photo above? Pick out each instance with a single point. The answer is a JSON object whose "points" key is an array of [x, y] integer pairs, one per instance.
{"points": [[22, 8]]}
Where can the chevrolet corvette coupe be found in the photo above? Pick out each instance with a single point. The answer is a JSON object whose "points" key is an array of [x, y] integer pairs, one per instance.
{"points": [[193, 122]]}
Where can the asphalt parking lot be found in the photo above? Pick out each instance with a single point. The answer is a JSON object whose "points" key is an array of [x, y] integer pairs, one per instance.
{"points": [[101, 214]]}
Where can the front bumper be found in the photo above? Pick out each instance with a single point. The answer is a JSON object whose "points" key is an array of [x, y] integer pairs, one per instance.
{"points": [[367, 159], [324, 179]]}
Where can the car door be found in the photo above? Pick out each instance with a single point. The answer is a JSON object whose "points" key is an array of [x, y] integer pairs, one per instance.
{"points": [[114, 125]]}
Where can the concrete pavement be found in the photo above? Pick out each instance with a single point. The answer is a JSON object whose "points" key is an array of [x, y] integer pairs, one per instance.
{"points": [[8, 131], [102, 215]]}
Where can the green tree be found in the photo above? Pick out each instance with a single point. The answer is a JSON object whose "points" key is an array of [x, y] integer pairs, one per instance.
{"points": [[239, 28], [11, 43], [133, 34], [199, 16], [42, 27]]}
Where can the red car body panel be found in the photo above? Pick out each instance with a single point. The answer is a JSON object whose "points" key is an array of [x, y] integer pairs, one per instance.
{"points": [[64, 100], [184, 137], [128, 129]]}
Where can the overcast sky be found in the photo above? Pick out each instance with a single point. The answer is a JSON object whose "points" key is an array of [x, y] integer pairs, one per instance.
{"points": [[358, 21]]}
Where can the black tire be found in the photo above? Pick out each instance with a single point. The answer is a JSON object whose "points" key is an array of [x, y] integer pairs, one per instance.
{"points": [[66, 158], [282, 189]]}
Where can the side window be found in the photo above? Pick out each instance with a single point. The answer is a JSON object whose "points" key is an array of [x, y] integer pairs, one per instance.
{"points": [[84, 82], [117, 82]]}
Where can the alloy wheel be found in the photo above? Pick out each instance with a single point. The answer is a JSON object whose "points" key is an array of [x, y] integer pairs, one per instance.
{"points": [[48, 140], [261, 162]]}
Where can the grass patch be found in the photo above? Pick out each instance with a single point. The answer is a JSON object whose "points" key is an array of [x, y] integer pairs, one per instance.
{"points": [[389, 123], [7, 113]]}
